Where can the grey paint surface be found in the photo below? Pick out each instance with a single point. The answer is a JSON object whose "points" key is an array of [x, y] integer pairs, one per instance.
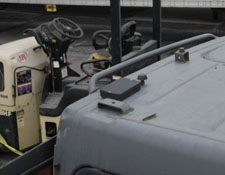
{"points": [[20, 19], [186, 136]]}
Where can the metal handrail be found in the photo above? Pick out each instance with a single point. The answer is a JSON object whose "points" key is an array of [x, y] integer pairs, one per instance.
{"points": [[145, 56]]}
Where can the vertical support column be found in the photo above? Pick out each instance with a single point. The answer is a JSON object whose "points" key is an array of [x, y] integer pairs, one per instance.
{"points": [[116, 31], [157, 15]]}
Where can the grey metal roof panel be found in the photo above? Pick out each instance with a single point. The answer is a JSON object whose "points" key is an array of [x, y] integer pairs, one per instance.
{"points": [[176, 126]]}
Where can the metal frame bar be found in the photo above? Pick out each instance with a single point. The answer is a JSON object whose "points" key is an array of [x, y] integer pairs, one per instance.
{"points": [[157, 15], [116, 32], [148, 55], [116, 28], [32, 160]]}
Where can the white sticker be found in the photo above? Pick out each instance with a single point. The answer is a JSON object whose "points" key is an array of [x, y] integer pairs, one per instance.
{"points": [[5, 113], [56, 64], [20, 121], [64, 72]]}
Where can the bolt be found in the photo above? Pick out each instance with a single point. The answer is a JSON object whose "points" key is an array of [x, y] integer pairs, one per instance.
{"points": [[142, 78], [181, 49]]}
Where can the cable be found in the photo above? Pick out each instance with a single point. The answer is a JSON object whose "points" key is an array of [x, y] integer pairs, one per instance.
{"points": [[4, 143], [93, 61]]}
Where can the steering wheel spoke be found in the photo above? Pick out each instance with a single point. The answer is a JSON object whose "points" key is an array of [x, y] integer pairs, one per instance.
{"points": [[68, 28]]}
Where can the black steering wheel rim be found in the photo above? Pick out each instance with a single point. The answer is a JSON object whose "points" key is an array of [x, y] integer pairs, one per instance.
{"points": [[68, 28]]}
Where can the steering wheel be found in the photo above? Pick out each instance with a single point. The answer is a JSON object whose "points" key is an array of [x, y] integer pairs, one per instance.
{"points": [[68, 28], [128, 30]]}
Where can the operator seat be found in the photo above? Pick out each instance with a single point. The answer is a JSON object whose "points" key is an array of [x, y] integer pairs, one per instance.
{"points": [[101, 39]]}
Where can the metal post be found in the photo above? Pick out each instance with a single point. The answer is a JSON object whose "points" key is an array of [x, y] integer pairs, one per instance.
{"points": [[157, 15], [116, 31]]}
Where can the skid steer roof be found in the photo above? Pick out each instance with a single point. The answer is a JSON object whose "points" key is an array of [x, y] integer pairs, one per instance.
{"points": [[177, 122]]}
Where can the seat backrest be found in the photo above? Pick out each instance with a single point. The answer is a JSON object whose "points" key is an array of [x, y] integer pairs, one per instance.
{"points": [[128, 30]]}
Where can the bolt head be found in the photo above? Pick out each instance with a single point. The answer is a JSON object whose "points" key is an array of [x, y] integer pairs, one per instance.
{"points": [[142, 77], [181, 49]]}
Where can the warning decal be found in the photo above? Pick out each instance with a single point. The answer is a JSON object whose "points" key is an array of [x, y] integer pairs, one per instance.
{"points": [[24, 83], [20, 119]]}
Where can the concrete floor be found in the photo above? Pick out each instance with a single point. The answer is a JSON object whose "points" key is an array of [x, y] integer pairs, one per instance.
{"points": [[177, 24]]}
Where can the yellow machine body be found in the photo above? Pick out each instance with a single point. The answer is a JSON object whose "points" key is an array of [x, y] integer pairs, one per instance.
{"points": [[98, 56]]}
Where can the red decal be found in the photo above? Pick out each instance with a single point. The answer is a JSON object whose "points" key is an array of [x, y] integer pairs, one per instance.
{"points": [[21, 58], [25, 86]]}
